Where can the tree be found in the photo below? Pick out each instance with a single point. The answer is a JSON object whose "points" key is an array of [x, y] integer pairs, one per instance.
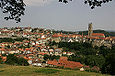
{"points": [[13, 60], [76, 58], [109, 66], [95, 60], [51, 57], [1, 60], [46, 57], [23, 62], [16, 8], [91, 3]]}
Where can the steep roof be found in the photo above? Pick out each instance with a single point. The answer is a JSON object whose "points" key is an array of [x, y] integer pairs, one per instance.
{"points": [[54, 62], [42, 53], [63, 58], [113, 38], [64, 62], [98, 34]]}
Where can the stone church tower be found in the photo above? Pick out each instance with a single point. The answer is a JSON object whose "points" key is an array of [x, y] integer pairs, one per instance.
{"points": [[90, 30]]}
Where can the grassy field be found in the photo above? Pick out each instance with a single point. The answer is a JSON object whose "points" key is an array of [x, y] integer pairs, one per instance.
{"points": [[7, 70]]}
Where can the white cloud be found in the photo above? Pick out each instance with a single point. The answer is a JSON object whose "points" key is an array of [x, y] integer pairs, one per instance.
{"points": [[37, 2]]}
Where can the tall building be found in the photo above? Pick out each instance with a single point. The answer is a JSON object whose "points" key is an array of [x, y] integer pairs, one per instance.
{"points": [[90, 30]]}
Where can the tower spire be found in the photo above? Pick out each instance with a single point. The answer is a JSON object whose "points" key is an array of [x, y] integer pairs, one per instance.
{"points": [[90, 30]]}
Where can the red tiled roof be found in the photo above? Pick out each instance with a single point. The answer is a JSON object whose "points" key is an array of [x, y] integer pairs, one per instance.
{"points": [[102, 38], [64, 62], [98, 34], [75, 64], [27, 49], [27, 58], [42, 53], [57, 35], [113, 38], [2, 49], [54, 62], [4, 58], [39, 39], [27, 41], [107, 38], [94, 37], [63, 58]]}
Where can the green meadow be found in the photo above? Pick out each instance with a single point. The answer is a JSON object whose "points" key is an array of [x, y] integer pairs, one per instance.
{"points": [[8, 70]]}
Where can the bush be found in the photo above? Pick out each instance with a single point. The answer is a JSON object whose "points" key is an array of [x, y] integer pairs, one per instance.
{"points": [[95, 69], [13, 60], [1, 60], [23, 62]]}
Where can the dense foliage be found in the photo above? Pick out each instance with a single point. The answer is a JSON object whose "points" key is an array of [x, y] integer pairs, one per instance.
{"points": [[13, 60], [50, 57], [12, 40], [15, 9], [102, 57], [1, 60], [91, 3], [112, 33], [109, 66]]}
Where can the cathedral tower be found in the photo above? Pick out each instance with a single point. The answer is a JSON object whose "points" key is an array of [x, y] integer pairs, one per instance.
{"points": [[90, 30]]}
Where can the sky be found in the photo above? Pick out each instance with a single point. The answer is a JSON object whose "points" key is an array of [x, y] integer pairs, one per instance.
{"points": [[74, 16]]}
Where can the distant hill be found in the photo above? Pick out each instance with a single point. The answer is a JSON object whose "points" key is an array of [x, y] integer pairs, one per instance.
{"points": [[107, 33]]}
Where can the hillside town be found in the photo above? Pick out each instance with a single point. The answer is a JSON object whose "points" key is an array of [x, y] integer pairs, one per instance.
{"points": [[33, 43]]}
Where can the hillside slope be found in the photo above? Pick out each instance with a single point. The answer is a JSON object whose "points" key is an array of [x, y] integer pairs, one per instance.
{"points": [[7, 70]]}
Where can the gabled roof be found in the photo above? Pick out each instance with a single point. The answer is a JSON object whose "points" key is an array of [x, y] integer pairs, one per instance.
{"points": [[4, 58], [63, 58], [27, 58], [64, 62], [57, 35], [42, 53], [113, 38], [98, 34], [27, 49], [54, 62]]}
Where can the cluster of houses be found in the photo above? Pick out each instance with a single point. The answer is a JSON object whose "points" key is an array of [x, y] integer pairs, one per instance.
{"points": [[97, 39], [63, 62], [35, 46]]}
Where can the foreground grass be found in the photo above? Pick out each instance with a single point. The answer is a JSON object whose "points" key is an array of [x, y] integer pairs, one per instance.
{"points": [[7, 70]]}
